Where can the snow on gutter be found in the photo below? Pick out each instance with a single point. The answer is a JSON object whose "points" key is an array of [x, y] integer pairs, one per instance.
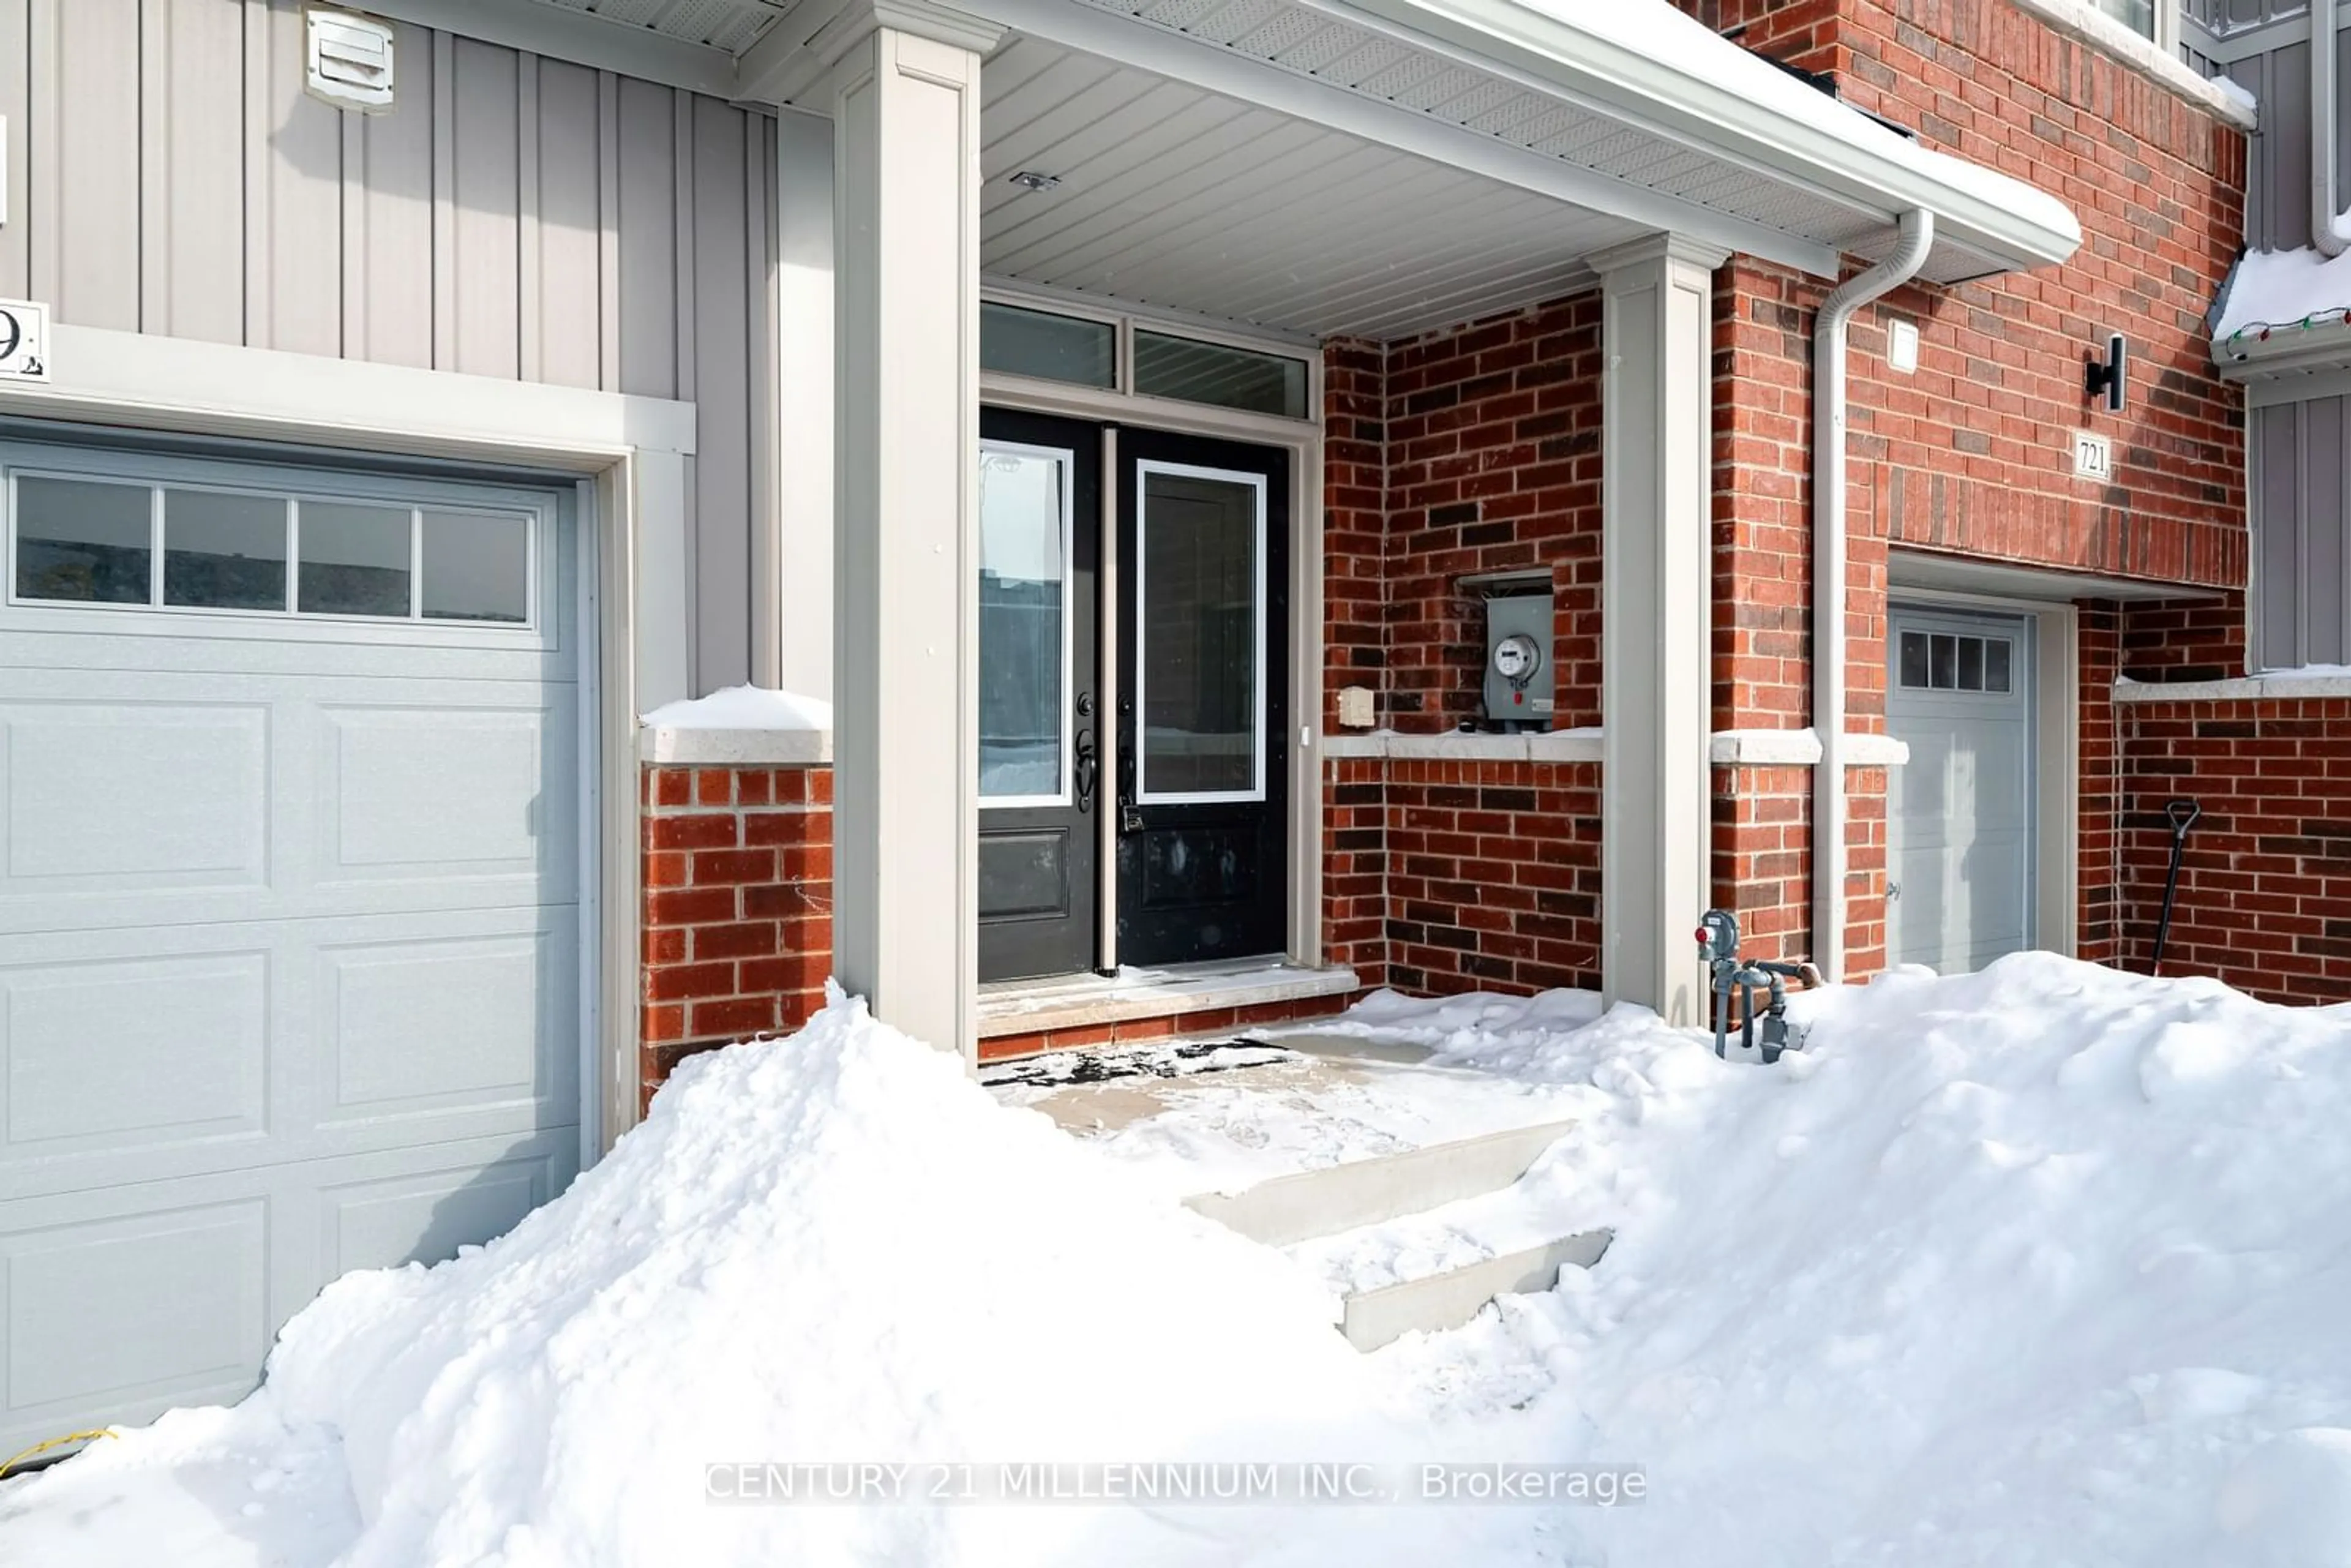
{"points": [[2284, 312], [1644, 60]]}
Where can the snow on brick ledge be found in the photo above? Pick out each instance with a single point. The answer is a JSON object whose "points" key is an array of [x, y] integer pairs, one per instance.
{"points": [[739, 727]]}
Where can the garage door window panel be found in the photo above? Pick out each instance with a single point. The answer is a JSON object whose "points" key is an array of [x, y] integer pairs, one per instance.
{"points": [[1947, 662], [224, 550], [476, 565], [83, 541], [357, 559]]}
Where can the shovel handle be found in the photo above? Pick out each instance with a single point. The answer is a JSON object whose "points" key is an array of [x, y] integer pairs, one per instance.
{"points": [[2182, 815]]}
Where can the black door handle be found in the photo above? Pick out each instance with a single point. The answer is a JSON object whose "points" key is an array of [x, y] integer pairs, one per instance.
{"points": [[1088, 767]]}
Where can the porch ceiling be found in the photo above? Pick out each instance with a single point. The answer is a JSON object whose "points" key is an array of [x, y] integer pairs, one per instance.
{"points": [[1354, 166], [1192, 201]]}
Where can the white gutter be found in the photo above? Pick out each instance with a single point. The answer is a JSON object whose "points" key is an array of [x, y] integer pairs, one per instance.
{"points": [[1836, 313], [2327, 230], [1661, 69]]}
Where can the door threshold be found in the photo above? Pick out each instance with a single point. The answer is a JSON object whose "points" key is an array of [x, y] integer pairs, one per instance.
{"points": [[1076, 1001]]}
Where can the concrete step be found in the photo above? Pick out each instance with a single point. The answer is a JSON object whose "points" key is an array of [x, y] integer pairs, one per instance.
{"points": [[1438, 1301], [1289, 1209]]}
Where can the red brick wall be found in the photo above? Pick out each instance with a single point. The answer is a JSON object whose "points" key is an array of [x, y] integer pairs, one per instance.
{"points": [[1494, 465], [1471, 450], [1354, 520], [738, 929], [1493, 875], [1356, 866], [2265, 885], [1972, 452]]}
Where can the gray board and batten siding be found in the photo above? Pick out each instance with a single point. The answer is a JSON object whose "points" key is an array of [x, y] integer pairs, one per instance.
{"points": [[514, 215], [2263, 46], [2298, 453]]}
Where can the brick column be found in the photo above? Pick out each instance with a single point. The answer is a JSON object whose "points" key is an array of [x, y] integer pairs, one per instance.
{"points": [[737, 929]]}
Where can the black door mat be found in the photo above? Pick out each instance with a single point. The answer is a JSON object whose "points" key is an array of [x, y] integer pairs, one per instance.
{"points": [[1056, 1069]]}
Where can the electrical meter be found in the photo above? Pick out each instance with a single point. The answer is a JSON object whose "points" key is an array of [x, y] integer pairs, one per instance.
{"points": [[1519, 677], [1516, 657]]}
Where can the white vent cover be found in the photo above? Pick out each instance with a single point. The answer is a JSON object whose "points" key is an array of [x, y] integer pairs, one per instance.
{"points": [[349, 59]]}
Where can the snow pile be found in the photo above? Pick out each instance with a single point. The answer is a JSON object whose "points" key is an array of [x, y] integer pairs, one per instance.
{"points": [[833, 1248], [2045, 1265], [2280, 287], [746, 708]]}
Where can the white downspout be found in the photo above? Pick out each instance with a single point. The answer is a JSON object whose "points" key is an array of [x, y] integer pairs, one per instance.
{"points": [[2326, 224], [1836, 313]]}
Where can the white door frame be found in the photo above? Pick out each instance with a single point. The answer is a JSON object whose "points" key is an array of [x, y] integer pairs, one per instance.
{"points": [[2056, 743], [627, 457]]}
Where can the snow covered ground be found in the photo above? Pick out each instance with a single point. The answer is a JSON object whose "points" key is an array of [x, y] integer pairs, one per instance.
{"points": [[2044, 1266]]}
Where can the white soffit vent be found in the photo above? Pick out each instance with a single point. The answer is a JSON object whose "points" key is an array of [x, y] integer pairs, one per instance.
{"points": [[349, 58], [730, 24], [1365, 58]]}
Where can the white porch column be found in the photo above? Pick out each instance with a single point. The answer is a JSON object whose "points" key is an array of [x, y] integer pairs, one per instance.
{"points": [[905, 93], [804, 309], [1657, 596]]}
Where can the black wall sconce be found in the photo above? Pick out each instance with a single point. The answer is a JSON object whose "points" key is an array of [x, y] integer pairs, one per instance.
{"points": [[2106, 380]]}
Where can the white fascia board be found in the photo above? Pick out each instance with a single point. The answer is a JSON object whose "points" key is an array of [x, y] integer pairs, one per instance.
{"points": [[575, 36], [1842, 155], [1213, 69], [219, 389]]}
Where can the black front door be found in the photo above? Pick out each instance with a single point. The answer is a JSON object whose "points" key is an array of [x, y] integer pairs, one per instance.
{"points": [[1204, 614], [1040, 733]]}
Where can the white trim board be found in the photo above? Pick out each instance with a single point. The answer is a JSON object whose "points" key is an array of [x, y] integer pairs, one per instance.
{"points": [[185, 386], [582, 39], [1909, 568]]}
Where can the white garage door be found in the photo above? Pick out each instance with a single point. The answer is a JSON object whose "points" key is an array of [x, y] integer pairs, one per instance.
{"points": [[1959, 830], [289, 870]]}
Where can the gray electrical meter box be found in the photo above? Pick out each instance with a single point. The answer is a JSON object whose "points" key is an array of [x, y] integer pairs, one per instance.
{"points": [[1520, 682]]}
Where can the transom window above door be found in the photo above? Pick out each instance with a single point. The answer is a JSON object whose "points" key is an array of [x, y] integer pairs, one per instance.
{"points": [[1117, 354], [81, 540]]}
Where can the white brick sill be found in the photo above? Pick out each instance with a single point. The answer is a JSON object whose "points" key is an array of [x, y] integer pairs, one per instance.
{"points": [[1470, 746], [2110, 37], [1729, 748], [2282, 687], [702, 747]]}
